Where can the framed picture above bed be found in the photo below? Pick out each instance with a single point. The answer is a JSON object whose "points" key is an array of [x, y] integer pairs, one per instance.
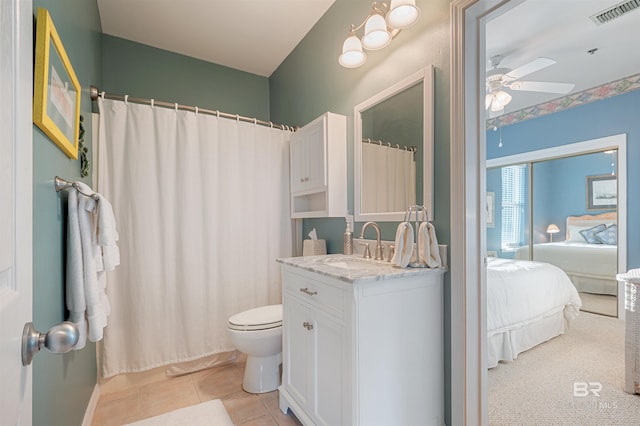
{"points": [[602, 192]]}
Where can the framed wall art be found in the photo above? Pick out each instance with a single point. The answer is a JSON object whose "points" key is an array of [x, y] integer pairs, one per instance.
{"points": [[56, 90], [490, 209], [602, 192]]}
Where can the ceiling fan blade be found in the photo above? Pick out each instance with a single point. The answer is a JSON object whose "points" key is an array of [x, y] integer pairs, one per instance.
{"points": [[542, 86], [533, 66]]}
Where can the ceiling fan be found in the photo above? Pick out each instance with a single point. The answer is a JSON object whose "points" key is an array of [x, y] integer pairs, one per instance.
{"points": [[500, 78]]}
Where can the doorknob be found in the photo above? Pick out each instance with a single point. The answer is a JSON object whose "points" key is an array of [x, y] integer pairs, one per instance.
{"points": [[59, 339]]}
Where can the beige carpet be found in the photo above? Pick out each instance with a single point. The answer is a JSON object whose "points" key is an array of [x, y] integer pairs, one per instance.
{"points": [[547, 384], [210, 413]]}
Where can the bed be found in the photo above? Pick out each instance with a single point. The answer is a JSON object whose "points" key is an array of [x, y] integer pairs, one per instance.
{"points": [[528, 302], [590, 263]]}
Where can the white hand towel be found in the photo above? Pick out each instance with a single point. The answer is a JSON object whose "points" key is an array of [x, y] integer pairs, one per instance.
{"points": [[107, 235], [403, 245], [429, 251], [75, 276], [86, 297], [95, 314]]}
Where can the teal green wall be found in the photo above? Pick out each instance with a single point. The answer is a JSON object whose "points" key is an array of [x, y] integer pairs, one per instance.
{"points": [[307, 84], [62, 384], [134, 69], [310, 81]]}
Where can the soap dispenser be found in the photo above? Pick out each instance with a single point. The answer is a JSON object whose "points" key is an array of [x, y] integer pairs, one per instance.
{"points": [[348, 236]]}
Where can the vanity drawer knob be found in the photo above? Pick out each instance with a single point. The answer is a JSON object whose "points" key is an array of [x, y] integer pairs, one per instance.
{"points": [[306, 291], [307, 325]]}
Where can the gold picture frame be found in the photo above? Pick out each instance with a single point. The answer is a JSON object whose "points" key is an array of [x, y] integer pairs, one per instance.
{"points": [[56, 90]]}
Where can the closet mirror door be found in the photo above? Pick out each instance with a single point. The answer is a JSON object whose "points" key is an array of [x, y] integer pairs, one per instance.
{"points": [[393, 150], [575, 224], [561, 211]]}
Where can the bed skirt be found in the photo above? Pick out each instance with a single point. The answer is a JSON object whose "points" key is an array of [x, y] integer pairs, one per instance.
{"points": [[506, 345], [594, 285]]}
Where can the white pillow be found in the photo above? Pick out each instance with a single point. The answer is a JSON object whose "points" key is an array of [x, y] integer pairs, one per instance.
{"points": [[574, 232]]}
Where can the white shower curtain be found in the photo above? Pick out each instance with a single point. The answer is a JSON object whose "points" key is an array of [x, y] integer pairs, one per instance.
{"points": [[202, 209], [388, 178]]}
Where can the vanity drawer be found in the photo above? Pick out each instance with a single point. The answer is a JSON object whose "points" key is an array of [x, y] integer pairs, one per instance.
{"points": [[316, 293]]}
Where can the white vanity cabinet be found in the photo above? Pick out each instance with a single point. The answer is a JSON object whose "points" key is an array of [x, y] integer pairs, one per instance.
{"points": [[362, 352], [318, 168]]}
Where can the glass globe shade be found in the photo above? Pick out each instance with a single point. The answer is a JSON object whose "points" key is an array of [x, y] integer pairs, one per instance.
{"points": [[376, 35], [352, 54], [402, 13]]}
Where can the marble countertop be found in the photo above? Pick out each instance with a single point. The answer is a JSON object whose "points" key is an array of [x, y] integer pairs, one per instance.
{"points": [[355, 269]]}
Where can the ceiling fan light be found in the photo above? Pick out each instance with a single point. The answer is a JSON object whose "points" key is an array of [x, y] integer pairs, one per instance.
{"points": [[352, 55], [500, 100], [402, 13], [376, 35]]}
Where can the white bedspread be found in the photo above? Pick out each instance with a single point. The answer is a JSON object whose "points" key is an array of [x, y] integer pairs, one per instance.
{"points": [[520, 292]]}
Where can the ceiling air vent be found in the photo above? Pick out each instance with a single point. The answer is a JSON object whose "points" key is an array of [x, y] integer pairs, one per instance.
{"points": [[614, 12]]}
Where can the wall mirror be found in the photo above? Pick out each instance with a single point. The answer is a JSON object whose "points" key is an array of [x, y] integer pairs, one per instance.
{"points": [[393, 150]]}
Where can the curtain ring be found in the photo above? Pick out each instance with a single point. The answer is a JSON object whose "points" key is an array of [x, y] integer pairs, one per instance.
{"points": [[271, 124], [237, 117], [380, 143], [126, 99], [397, 146], [255, 120], [217, 113], [152, 102], [102, 95], [196, 108]]}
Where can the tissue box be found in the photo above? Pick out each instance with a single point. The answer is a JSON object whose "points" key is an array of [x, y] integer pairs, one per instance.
{"points": [[314, 247]]}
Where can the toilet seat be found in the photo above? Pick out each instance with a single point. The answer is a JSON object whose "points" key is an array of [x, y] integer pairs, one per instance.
{"points": [[262, 318]]}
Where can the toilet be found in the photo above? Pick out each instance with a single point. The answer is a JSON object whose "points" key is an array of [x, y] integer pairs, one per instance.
{"points": [[258, 334]]}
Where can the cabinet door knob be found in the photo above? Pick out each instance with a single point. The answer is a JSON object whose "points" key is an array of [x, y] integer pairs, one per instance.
{"points": [[306, 291], [307, 325]]}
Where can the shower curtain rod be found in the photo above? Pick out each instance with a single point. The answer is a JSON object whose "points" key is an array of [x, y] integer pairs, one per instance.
{"points": [[95, 93], [391, 145]]}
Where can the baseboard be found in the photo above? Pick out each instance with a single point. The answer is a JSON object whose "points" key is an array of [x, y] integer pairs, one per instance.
{"points": [[91, 407]]}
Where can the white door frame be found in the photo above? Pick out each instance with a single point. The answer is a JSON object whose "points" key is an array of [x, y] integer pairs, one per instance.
{"points": [[468, 242]]}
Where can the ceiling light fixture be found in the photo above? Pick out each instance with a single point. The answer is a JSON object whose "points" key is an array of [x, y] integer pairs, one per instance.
{"points": [[380, 26], [496, 98]]}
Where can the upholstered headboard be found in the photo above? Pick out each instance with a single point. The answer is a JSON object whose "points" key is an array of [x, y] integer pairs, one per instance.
{"points": [[589, 220]]}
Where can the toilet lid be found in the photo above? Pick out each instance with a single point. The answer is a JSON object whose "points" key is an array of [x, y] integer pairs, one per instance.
{"points": [[261, 318]]}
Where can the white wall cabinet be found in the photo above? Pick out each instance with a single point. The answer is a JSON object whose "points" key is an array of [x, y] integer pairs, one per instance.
{"points": [[318, 164], [369, 353]]}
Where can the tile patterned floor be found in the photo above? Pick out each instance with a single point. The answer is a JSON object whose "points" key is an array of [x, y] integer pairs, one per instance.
{"points": [[224, 383]]}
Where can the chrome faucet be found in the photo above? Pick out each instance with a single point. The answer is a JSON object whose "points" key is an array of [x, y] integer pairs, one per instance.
{"points": [[378, 255]]}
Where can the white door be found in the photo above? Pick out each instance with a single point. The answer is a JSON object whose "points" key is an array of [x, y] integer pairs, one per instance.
{"points": [[16, 23]]}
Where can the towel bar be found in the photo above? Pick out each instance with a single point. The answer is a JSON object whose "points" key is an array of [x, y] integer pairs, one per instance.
{"points": [[61, 184]]}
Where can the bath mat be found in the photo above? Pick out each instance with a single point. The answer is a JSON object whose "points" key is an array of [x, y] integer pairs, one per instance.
{"points": [[210, 413]]}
